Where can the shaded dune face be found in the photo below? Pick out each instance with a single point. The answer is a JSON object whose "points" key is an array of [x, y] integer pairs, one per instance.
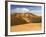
{"points": [[23, 18]]}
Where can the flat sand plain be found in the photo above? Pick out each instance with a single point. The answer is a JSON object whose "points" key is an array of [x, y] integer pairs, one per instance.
{"points": [[26, 27]]}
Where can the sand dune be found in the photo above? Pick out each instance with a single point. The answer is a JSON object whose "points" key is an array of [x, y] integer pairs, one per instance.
{"points": [[25, 22], [22, 18]]}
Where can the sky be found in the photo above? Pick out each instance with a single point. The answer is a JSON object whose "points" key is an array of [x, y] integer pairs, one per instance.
{"points": [[23, 8]]}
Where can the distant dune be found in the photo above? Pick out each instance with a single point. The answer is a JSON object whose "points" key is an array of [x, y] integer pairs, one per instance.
{"points": [[23, 18]]}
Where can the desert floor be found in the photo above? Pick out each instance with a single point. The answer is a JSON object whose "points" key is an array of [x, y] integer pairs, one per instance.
{"points": [[26, 27]]}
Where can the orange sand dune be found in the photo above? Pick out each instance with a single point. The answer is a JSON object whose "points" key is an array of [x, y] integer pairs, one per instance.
{"points": [[26, 27]]}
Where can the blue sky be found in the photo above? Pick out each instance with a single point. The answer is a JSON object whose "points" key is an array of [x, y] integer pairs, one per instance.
{"points": [[34, 9]]}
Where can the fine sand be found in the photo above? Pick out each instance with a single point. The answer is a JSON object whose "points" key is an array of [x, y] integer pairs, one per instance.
{"points": [[26, 27]]}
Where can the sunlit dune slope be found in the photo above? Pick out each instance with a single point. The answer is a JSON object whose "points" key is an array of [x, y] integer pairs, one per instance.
{"points": [[23, 18]]}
